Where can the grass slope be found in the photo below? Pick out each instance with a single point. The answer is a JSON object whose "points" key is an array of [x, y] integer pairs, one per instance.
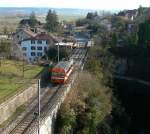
{"points": [[11, 77]]}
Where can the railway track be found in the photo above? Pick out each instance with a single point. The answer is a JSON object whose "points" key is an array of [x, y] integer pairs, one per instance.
{"points": [[51, 96], [30, 117], [78, 54], [50, 106]]}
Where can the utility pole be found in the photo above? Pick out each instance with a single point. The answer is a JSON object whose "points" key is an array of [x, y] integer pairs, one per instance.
{"points": [[23, 67], [39, 106], [58, 51]]}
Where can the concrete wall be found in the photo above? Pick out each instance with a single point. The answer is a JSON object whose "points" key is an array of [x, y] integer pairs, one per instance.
{"points": [[48, 115], [8, 107], [48, 123]]}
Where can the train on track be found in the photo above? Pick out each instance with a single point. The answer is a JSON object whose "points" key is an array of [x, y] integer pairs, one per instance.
{"points": [[61, 72]]}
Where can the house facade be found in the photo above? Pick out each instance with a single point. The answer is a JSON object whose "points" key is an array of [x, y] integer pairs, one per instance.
{"points": [[129, 14], [34, 48], [23, 34]]}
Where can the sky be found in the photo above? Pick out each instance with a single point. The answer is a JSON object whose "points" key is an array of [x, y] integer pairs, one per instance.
{"points": [[84, 4]]}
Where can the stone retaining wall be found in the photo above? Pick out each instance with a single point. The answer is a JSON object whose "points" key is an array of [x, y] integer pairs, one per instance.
{"points": [[48, 115], [8, 107]]}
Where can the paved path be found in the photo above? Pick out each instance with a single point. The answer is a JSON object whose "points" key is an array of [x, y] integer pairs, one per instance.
{"points": [[133, 79]]}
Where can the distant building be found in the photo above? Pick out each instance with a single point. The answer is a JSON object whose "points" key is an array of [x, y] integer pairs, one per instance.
{"points": [[130, 14], [81, 39], [6, 35], [35, 47], [3, 36], [27, 22]]}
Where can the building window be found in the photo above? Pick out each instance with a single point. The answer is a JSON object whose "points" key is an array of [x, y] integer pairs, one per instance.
{"points": [[39, 54], [39, 48], [39, 42], [46, 41], [32, 53], [24, 48], [32, 41], [24, 54], [45, 49], [32, 48]]}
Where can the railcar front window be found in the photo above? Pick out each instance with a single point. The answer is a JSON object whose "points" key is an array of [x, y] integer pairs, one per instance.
{"points": [[58, 74]]}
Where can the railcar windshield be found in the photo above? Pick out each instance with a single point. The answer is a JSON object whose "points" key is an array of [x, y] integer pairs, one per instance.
{"points": [[58, 74]]}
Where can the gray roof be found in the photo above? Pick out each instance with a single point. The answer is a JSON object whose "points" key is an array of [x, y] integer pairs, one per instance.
{"points": [[64, 65]]}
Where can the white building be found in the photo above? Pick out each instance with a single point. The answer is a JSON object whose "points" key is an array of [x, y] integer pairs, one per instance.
{"points": [[23, 34], [34, 48]]}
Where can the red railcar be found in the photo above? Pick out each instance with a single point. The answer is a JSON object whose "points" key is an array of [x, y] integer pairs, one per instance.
{"points": [[61, 72]]}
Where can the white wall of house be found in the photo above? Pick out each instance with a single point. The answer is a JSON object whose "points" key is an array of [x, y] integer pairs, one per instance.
{"points": [[21, 35], [33, 50]]}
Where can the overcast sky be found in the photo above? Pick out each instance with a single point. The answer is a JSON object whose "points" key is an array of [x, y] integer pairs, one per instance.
{"points": [[90, 4]]}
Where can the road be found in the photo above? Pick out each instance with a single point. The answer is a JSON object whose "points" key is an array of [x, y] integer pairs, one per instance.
{"points": [[133, 79]]}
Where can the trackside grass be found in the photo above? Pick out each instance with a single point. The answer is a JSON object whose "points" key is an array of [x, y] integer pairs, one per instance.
{"points": [[12, 79]]}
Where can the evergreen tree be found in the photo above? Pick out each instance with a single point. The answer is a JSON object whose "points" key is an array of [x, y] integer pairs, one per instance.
{"points": [[91, 15], [33, 20], [51, 21], [114, 40], [133, 39], [144, 33], [52, 53], [140, 10]]}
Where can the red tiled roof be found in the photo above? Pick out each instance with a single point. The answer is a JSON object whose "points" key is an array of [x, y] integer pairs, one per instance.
{"points": [[43, 36]]}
